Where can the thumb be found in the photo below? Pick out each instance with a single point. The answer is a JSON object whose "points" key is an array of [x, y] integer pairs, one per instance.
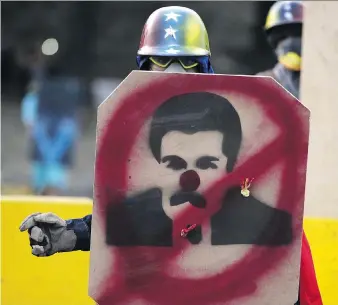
{"points": [[28, 222]]}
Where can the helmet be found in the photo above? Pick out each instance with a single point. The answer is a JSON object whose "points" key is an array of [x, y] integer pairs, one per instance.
{"points": [[285, 18], [174, 31]]}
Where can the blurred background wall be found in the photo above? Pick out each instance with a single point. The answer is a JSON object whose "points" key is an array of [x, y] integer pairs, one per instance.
{"points": [[96, 44]]}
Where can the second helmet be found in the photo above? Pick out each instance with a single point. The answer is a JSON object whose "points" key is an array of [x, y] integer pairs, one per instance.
{"points": [[285, 18]]}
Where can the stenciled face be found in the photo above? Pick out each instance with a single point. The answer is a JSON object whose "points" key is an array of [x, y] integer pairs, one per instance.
{"points": [[196, 161]]}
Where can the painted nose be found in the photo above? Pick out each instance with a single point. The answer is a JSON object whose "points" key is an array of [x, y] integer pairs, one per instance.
{"points": [[189, 181]]}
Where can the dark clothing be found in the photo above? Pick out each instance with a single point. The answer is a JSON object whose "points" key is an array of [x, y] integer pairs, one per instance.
{"points": [[141, 222], [55, 129], [288, 79], [82, 229], [59, 97], [239, 221]]}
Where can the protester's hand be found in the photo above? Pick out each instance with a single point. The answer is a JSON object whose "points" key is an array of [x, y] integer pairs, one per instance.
{"points": [[48, 234]]}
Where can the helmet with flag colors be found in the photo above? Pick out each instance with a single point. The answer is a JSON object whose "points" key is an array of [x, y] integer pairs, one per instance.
{"points": [[285, 18], [174, 31]]}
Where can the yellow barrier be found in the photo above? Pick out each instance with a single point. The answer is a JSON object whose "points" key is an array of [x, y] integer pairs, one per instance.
{"points": [[29, 280], [63, 278], [323, 238]]}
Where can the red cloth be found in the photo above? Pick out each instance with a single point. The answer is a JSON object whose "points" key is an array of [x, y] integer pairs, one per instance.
{"points": [[309, 290]]}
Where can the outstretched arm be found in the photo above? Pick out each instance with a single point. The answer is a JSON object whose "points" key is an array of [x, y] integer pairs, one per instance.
{"points": [[82, 230]]}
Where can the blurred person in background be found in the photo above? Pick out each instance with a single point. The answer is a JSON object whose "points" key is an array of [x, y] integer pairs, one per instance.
{"points": [[54, 133], [49, 233], [49, 113], [29, 106], [283, 28]]}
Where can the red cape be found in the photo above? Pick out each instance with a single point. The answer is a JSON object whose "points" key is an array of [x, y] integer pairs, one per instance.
{"points": [[308, 290]]}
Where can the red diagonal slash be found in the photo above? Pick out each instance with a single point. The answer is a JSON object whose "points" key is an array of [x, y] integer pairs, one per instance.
{"points": [[139, 272]]}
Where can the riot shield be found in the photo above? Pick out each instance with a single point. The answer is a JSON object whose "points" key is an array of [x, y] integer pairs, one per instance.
{"points": [[199, 191]]}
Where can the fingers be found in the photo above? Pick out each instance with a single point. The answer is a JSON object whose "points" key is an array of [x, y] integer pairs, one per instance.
{"points": [[37, 234], [28, 222], [39, 242], [33, 220], [50, 218], [38, 250]]}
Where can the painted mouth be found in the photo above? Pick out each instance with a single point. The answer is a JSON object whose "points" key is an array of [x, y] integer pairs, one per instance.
{"points": [[195, 199]]}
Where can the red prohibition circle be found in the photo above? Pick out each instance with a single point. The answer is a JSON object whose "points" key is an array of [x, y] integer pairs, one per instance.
{"points": [[111, 173]]}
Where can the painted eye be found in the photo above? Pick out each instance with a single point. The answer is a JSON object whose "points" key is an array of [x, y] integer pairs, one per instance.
{"points": [[207, 162], [175, 162]]}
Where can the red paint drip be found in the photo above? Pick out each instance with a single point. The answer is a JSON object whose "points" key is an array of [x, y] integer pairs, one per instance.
{"points": [[184, 232]]}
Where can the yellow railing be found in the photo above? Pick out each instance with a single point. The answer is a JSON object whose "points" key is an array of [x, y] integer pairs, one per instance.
{"points": [[29, 280], [63, 278]]}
